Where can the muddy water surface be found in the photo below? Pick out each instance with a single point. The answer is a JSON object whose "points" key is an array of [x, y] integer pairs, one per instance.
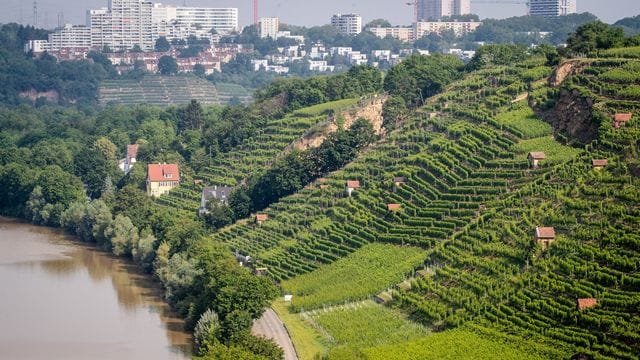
{"points": [[61, 299]]}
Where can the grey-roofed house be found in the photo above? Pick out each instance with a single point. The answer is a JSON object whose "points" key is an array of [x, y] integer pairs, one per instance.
{"points": [[220, 193]]}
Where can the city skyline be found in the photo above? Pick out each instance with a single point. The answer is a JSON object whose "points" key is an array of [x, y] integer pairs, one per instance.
{"points": [[299, 13]]}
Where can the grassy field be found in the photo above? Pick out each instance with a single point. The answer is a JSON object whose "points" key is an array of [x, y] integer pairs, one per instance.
{"points": [[366, 324], [523, 119], [370, 269], [306, 339], [555, 151], [459, 344]]}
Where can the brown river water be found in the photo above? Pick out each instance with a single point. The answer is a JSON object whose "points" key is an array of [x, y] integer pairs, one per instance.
{"points": [[62, 299]]}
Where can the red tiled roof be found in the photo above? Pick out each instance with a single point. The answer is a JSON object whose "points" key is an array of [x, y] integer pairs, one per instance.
{"points": [[537, 155], [394, 207], [545, 233], [587, 303], [163, 172], [132, 151], [623, 117], [262, 217], [600, 162], [353, 184]]}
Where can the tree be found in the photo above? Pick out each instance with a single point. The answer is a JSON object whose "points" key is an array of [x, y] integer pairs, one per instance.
{"points": [[167, 65], [594, 36], [377, 23], [162, 44], [122, 235], [207, 331], [394, 110], [143, 250], [240, 203], [219, 215], [192, 116], [199, 70]]}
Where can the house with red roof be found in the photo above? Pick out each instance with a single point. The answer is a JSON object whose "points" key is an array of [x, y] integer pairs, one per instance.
{"points": [[352, 185], [161, 178]]}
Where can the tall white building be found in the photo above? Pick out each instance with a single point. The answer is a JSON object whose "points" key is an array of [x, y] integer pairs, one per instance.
{"points": [[131, 24], [552, 7], [349, 24], [269, 27], [437, 9]]}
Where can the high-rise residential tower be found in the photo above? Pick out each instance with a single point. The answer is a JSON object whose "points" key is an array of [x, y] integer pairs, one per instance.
{"points": [[349, 24], [552, 7], [269, 27], [437, 9]]}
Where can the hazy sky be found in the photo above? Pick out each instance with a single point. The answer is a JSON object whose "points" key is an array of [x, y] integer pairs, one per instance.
{"points": [[299, 12]]}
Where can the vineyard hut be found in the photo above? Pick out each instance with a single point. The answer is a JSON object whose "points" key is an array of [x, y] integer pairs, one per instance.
{"points": [[261, 271], [394, 207], [352, 185], [197, 182], [535, 157], [599, 164], [399, 181], [261, 218], [288, 298], [621, 119], [586, 303], [545, 236]]}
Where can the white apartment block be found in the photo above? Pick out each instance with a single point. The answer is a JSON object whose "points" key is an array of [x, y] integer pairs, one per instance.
{"points": [[458, 27], [437, 9], [269, 27], [320, 66], [552, 7], [37, 46], [404, 34], [70, 36], [131, 24], [222, 20], [349, 24]]}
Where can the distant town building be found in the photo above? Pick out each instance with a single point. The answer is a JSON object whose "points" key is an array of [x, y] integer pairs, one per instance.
{"points": [[437, 9], [161, 178], [458, 27], [349, 24], [222, 20], [70, 36], [551, 8], [269, 27], [404, 34]]}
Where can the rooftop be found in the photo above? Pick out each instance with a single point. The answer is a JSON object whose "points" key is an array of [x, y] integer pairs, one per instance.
{"points": [[545, 233], [163, 172]]}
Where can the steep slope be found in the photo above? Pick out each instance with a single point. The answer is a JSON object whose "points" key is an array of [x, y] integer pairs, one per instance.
{"points": [[470, 204]]}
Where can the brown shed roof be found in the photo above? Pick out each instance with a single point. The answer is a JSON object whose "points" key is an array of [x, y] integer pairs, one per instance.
{"points": [[262, 217], [545, 233], [394, 207], [353, 184], [623, 117], [600, 162], [399, 179], [587, 303], [537, 155]]}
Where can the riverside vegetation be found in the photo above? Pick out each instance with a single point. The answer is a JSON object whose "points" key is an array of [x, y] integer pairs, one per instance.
{"points": [[455, 264]]}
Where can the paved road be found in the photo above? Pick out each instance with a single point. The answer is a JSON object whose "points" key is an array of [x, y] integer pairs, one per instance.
{"points": [[270, 326]]}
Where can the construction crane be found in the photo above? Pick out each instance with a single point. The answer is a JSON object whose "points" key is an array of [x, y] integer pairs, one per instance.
{"points": [[255, 12]]}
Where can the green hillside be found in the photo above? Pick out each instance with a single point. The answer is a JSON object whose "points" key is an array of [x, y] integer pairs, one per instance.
{"points": [[471, 202]]}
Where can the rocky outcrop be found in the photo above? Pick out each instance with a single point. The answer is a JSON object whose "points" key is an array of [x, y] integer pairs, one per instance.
{"points": [[32, 94], [563, 71], [370, 110], [572, 116]]}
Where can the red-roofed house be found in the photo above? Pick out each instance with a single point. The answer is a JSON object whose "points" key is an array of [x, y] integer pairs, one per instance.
{"points": [[599, 164], [535, 157], [127, 163], [587, 303], [621, 119], [545, 236], [161, 178], [352, 185]]}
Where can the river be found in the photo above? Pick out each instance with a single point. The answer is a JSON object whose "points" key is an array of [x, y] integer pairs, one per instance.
{"points": [[62, 299]]}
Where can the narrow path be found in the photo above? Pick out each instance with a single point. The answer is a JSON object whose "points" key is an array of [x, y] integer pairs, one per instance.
{"points": [[270, 326]]}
